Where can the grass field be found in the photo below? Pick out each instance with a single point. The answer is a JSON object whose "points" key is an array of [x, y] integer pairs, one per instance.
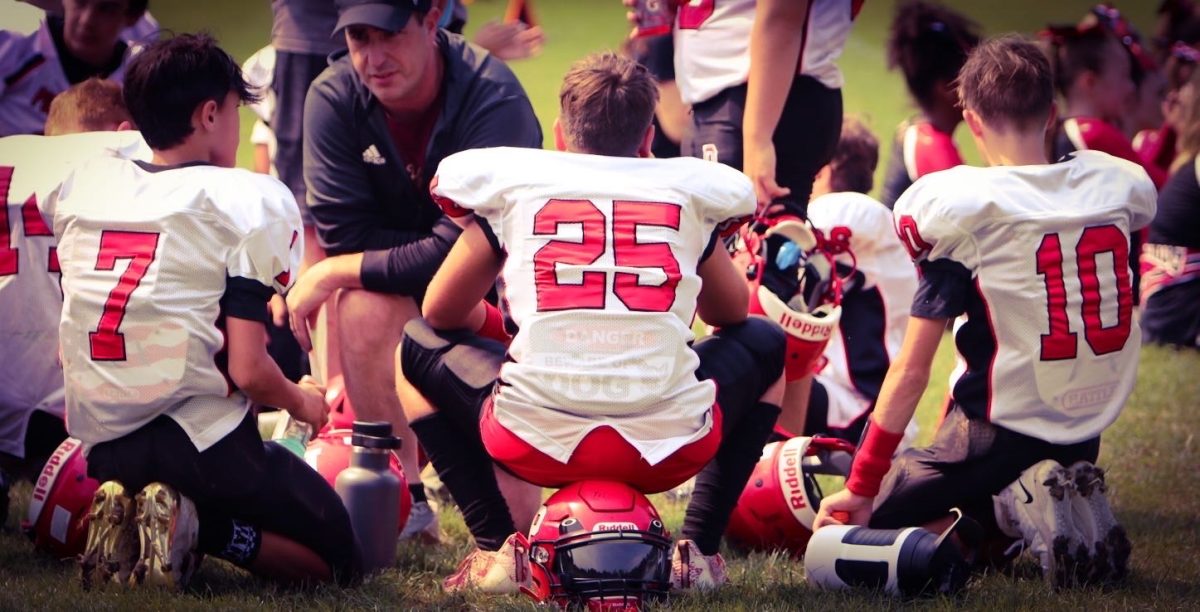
{"points": [[1152, 453]]}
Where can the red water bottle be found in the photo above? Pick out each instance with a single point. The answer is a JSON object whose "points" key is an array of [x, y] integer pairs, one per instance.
{"points": [[653, 17]]}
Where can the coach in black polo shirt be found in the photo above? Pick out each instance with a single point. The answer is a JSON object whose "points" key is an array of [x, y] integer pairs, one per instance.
{"points": [[376, 124]]}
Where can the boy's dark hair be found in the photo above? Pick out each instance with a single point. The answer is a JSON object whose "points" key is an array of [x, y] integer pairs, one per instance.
{"points": [[854, 159], [137, 7], [929, 43], [1007, 80], [607, 102], [170, 78], [94, 104], [1073, 51]]}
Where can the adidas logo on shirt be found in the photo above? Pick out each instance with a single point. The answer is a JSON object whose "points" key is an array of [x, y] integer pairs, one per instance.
{"points": [[372, 156]]}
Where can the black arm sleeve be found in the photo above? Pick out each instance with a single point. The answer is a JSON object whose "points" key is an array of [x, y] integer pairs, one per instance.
{"points": [[943, 290], [408, 268], [246, 299]]}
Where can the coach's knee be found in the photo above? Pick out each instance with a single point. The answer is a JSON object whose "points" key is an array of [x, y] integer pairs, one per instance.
{"points": [[371, 322]]}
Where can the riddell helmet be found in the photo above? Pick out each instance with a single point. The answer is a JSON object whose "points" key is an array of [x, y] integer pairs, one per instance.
{"points": [[62, 496], [599, 544], [329, 454], [780, 502], [794, 283]]}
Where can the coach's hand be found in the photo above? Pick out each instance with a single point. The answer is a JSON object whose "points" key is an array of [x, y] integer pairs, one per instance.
{"points": [[304, 303], [758, 162], [313, 409], [844, 508]]}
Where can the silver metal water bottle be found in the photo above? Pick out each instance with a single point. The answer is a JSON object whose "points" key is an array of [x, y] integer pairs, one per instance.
{"points": [[371, 493]]}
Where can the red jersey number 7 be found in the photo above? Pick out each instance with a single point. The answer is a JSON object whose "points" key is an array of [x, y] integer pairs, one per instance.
{"points": [[108, 344]]}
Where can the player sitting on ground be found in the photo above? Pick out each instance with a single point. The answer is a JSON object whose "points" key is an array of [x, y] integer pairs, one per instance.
{"points": [[1034, 255], [31, 387], [877, 291], [605, 258], [85, 41], [166, 271]]}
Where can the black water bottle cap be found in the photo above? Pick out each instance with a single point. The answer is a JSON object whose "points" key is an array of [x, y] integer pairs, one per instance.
{"points": [[375, 442], [378, 429]]}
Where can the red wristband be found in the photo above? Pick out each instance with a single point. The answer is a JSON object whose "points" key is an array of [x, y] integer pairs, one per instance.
{"points": [[493, 325], [872, 460]]}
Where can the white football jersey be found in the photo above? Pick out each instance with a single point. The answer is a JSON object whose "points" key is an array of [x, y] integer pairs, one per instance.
{"points": [[875, 305], [1049, 347], [712, 44], [30, 77], [601, 279], [152, 259], [30, 298]]}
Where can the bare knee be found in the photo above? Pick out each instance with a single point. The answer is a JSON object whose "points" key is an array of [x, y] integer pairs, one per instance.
{"points": [[370, 324]]}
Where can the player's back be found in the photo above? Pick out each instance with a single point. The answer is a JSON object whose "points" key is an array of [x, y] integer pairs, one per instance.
{"points": [[149, 256], [600, 275], [1050, 346], [30, 299], [875, 302]]}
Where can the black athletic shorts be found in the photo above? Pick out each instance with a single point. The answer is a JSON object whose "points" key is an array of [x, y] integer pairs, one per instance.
{"points": [[805, 138], [294, 72], [816, 423], [43, 434], [968, 462], [455, 370], [240, 478]]}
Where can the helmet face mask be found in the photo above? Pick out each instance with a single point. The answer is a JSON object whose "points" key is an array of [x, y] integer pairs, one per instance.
{"points": [[599, 545]]}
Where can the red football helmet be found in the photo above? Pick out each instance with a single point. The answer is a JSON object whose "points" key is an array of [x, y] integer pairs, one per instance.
{"points": [[793, 282], [780, 502], [329, 454], [599, 544], [62, 495]]}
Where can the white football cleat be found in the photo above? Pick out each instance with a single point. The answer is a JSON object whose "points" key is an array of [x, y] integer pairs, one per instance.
{"points": [[422, 524], [503, 571], [168, 531], [691, 569], [1108, 542], [112, 546], [1038, 508]]}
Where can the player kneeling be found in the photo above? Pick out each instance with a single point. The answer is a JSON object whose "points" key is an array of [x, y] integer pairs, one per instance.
{"points": [[605, 257], [166, 271], [1047, 358]]}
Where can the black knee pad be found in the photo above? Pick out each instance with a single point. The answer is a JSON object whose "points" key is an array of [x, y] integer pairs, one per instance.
{"points": [[765, 342], [455, 370]]}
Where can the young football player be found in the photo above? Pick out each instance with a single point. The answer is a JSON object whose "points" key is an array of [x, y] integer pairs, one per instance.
{"points": [[928, 43], [765, 88], [31, 385], [1034, 254], [877, 290], [605, 258], [84, 42], [167, 268]]}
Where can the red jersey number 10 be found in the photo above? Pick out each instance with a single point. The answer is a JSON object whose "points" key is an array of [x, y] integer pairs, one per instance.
{"points": [[1061, 342]]}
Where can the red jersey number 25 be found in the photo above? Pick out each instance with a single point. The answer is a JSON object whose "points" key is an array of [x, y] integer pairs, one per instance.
{"points": [[591, 291]]}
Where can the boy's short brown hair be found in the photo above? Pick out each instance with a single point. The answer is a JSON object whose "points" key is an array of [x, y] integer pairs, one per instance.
{"points": [[1007, 81], [854, 160], [93, 105], [606, 104]]}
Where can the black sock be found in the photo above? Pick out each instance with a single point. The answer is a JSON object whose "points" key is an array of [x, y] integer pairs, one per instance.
{"points": [[229, 539], [720, 483], [417, 491], [466, 470]]}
